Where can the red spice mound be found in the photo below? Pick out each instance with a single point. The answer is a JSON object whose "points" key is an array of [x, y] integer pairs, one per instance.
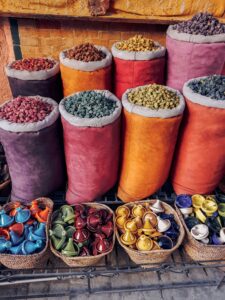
{"points": [[33, 64], [25, 110]]}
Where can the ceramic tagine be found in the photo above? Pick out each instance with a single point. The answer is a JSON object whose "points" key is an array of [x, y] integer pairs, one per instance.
{"points": [[146, 227], [204, 217], [81, 230], [21, 232]]}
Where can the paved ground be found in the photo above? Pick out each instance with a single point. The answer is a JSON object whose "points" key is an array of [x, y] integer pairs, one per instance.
{"points": [[77, 288], [57, 287]]}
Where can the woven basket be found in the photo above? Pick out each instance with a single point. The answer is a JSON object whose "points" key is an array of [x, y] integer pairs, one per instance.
{"points": [[198, 251], [31, 261], [86, 261], [154, 256]]}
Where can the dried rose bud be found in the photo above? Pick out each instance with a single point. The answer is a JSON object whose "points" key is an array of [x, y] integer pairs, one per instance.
{"points": [[25, 110], [85, 52], [33, 64]]}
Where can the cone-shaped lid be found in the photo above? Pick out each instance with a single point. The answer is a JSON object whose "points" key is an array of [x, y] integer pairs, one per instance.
{"points": [[42, 215], [58, 230], [128, 238], [144, 243], [22, 215], [123, 211], [40, 231], [157, 207], [163, 225], [131, 225], [69, 249], [120, 221], [58, 243], [34, 208], [138, 210], [5, 220], [15, 238]]}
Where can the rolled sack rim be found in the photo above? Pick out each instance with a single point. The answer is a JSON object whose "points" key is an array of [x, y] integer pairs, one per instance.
{"points": [[87, 66], [151, 113], [138, 55], [191, 96], [194, 38], [91, 122], [35, 126], [32, 75]]}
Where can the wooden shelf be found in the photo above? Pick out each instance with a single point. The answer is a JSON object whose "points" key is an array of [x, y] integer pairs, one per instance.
{"points": [[110, 17]]}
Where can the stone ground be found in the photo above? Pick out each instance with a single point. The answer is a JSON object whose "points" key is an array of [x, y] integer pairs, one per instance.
{"points": [[57, 287], [76, 288]]}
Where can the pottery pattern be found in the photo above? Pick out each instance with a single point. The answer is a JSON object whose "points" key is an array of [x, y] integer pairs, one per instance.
{"points": [[204, 217], [81, 230], [23, 229], [146, 227]]}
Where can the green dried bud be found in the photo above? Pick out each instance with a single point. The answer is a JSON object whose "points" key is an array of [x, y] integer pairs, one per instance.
{"points": [[154, 96], [89, 104]]}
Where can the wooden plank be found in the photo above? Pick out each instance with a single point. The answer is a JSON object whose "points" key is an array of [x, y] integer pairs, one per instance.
{"points": [[118, 18]]}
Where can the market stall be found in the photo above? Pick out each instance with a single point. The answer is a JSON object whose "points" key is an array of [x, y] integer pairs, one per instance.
{"points": [[92, 128]]}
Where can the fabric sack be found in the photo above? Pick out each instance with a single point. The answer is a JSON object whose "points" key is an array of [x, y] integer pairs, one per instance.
{"points": [[46, 83], [80, 76], [92, 152], [34, 155], [132, 68], [149, 138], [199, 161], [191, 56]]}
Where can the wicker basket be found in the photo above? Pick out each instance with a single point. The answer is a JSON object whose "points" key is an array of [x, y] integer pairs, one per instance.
{"points": [[31, 261], [198, 251], [154, 256], [86, 261]]}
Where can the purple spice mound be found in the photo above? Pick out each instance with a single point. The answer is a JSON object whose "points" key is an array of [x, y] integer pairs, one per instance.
{"points": [[201, 23]]}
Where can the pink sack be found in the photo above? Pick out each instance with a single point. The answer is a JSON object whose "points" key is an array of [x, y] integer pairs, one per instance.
{"points": [[92, 153], [191, 56], [223, 72], [133, 69]]}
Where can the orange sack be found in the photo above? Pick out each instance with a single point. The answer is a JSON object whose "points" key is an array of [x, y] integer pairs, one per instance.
{"points": [[199, 161], [148, 138], [80, 76]]}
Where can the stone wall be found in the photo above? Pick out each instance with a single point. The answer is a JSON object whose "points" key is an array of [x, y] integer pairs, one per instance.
{"points": [[44, 38]]}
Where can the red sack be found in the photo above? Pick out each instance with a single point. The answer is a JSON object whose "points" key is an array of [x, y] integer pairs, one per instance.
{"points": [[199, 160], [191, 56], [92, 153], [132, 69]]}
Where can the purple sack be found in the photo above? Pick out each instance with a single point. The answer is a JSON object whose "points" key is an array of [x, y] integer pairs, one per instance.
{"points": [[45, 83], [34, 155]]}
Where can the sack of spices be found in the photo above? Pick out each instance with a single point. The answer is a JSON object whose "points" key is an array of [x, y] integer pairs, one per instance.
{"points": [[199, 161], [195, 48], [85, 67], [137, 61], [35, 76], [29, 133], [151, 119], [91, 129]]}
